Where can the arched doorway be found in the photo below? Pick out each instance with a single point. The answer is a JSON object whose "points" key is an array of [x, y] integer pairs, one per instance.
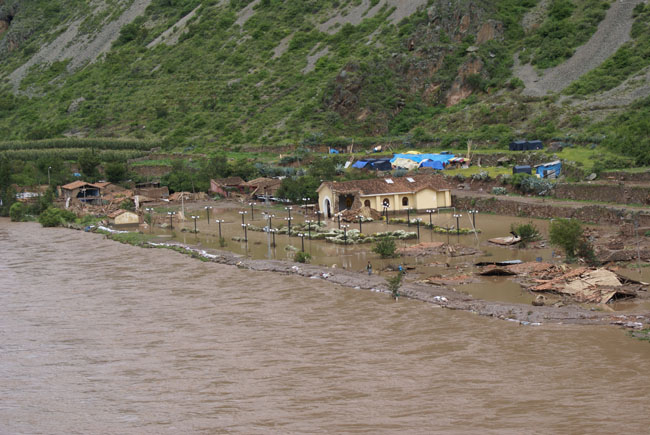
{"points": [[405, 201], [366, 203], [327, 208]]}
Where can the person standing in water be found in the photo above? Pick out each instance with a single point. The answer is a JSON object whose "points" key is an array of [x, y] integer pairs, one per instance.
{"points": [[369, 269]]}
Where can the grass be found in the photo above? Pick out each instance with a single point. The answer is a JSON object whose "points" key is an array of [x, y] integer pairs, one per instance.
{"points": [[569, 24], [493, 171]]}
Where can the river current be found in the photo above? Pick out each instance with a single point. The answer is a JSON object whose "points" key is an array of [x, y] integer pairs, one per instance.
{"points": [[100, 337]]}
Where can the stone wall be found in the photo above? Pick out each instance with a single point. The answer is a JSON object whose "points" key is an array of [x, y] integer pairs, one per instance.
{"points": [[626, 176], [597, 214], [619, 194]]}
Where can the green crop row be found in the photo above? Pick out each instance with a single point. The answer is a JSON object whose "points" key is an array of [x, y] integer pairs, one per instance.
{"points": [[99, 144], [71, 154]]}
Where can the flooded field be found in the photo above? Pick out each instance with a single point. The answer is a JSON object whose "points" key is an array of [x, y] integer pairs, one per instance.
{"points": [[100, 337], [355, 257]]}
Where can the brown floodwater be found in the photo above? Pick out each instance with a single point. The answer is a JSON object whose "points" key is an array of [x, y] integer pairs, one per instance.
{"points": [[100, 337]]}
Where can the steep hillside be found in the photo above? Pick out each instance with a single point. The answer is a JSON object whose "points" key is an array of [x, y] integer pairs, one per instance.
{"points": [[218, 74]]}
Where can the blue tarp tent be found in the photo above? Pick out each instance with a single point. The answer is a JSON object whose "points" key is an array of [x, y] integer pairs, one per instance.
{"points": [[360, 164], [381, 165], [419, 158], [523, 169], [435, 164], [549, 170]]}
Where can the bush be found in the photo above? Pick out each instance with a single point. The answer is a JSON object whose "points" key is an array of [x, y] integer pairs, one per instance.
{"points": [[394, 284], [385, 248], [302, 257], [54, 217], [527, 183], [528, 233], [17, 212], [127, 204], [566, 233], [499, 191]]}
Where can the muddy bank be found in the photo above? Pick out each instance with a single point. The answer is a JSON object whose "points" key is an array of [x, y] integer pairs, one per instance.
{"points": [[442, 296]]}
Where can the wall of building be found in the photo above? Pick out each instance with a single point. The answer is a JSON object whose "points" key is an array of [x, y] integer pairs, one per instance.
{"points": [[127, 218]]}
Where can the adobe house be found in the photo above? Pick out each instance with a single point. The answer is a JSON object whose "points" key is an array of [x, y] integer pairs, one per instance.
{"points": [[81, 191], [418, 192]]}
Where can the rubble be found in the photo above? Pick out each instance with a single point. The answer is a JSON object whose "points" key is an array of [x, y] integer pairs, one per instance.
{"points": [[505, 241], [587, 284], [435, 248]]}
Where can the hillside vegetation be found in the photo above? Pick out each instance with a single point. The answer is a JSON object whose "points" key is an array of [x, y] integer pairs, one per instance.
{"points": [[224, 75]]}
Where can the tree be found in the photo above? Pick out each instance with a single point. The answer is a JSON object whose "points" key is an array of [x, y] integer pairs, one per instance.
{"points": [[394, 284], [115, 172], [215, 167], [88, 162], [7, 193], [567, 234]]}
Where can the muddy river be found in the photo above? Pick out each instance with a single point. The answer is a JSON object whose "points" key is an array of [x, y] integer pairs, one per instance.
{"points": [[100, 337]]}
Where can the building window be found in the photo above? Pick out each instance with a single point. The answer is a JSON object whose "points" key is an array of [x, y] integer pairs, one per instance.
{"points": [[386, 202], [366, 203], [405, 201]]}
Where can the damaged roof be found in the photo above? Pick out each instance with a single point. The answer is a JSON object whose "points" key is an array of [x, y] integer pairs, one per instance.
{"points": [[79, 184]]}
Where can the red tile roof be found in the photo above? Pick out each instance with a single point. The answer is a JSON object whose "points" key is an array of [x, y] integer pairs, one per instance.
{"points": [[379, 186], [78, 184]]}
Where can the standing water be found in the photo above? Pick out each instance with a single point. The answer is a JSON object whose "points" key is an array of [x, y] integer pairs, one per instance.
{"points": [[99, 337]]}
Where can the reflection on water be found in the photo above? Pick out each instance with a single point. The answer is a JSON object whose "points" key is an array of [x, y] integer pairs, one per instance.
{"points": [[99, 337]]}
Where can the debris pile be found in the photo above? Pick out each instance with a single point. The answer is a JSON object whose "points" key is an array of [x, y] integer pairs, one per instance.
{"points": [[505, 241], [586, 284], [368, 214], [436, 248]]}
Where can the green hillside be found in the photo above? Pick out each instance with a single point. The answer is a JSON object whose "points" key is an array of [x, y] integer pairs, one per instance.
{"points": [[267, 73]]}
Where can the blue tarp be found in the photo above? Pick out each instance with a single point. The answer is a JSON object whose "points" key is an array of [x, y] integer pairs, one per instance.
{"points": [[432, 164], [381, 165], [376, 164], [360, 164], [418, 158], [333, 151], [549, 170]]}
